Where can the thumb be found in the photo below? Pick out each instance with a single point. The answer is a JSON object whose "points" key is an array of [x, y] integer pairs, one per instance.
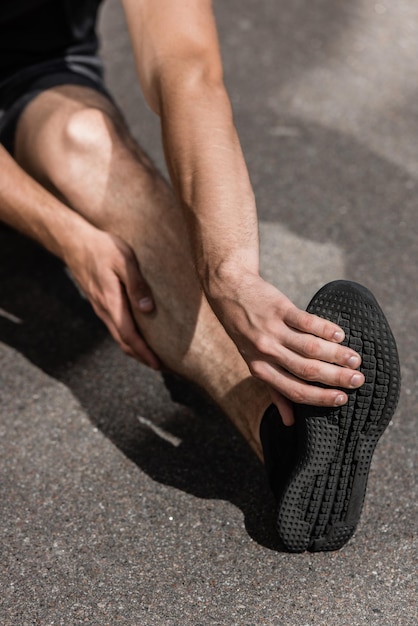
{"points": [[138, 290], [284, 407]]}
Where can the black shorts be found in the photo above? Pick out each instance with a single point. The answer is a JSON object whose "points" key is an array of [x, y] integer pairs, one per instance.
{"points": [[18, 90]]}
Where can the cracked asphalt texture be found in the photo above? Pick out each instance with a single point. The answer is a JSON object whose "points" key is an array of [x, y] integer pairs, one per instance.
{"points": [[107, 520]]}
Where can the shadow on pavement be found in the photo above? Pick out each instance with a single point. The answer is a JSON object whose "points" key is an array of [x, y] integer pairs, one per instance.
{"points": [[61, 335]]}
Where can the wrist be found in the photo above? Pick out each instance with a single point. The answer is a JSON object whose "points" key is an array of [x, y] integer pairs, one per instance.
{"points": [[74, 239], [227, 274]]}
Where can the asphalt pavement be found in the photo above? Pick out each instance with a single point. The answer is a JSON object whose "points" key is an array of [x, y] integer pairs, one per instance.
{"points": [[120, 506]]}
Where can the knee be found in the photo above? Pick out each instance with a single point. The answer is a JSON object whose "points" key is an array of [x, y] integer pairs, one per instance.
{"points": [[89, 132], [87, 147]]}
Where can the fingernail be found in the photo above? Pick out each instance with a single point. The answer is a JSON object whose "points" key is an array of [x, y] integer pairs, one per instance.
{"points": [[339, 400], [353, 361], [339, 335], [357, 380], [145, 304]]}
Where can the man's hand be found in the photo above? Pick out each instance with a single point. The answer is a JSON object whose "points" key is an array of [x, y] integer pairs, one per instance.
{"points": [[104, 266], [287, 348], [107, 271]]}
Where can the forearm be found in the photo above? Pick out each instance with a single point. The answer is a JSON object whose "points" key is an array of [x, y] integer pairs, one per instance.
{"points": [[29, 208], [179, 65], [208, 171]]}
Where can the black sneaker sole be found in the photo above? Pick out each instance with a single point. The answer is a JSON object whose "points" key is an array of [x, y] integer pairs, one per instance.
{"points": [[321, 504]]}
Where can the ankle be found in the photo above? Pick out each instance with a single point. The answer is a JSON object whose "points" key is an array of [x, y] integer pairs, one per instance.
{"points": [[245, 405]]}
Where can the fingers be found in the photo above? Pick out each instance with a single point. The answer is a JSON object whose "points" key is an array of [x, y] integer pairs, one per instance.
{"points": [[316, 338], [126, 336], [115, 312], [106, 269], [314, 370], [291, 370], [133, 344], [295, 389], [315, 348], [308, 351], [314, 325]]}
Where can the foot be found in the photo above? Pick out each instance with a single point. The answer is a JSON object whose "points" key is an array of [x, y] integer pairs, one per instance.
{"points": [[321, 490]]}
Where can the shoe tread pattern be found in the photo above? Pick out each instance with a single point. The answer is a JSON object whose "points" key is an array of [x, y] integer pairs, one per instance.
{"points": [[322, 502]]}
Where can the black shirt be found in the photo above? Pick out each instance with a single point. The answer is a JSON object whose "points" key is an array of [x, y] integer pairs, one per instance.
{"points": [[33, 31]]}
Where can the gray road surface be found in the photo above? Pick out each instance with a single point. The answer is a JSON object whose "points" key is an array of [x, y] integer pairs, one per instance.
{"points": [[106, 520]]}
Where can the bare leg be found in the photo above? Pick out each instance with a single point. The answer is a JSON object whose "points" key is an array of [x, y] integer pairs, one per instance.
{"points": [[75, 143]]}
